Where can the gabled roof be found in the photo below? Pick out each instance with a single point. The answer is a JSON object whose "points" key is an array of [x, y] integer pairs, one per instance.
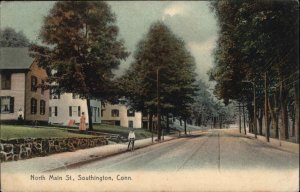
{"points": [[15, 58]]}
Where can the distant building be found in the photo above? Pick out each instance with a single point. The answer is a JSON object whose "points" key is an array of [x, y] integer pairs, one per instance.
{"points": [[121, 115], [66, 109], [20, 93]]}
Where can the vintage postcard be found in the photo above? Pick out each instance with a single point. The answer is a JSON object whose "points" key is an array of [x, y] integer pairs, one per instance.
{"points": [[149, 96]]}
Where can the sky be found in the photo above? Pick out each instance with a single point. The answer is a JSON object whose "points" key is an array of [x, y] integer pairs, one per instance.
{"points": [[192, 21]]}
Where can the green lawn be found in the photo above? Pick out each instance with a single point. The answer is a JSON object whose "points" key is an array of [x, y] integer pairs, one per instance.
{"points": [[139, 133], [23, 131], [18, 131]]}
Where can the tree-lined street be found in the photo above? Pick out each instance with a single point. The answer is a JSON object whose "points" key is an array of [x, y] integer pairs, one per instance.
{"points": [[186, 71], [257, 63], [218, 150]]}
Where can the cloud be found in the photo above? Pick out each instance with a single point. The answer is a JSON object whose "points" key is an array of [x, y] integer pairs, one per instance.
{"points": [[202, 52], [193, 21], [177, 8], [196, 25]]}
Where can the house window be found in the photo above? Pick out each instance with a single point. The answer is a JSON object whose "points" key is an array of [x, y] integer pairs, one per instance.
{"points": [[33, 83], [43, 87], [74, 110], [55, 111], [7, 104], [33, 106], [70, 111], [50, 111], [5, 81], [98, 111], [130, 113], [102, 111], [42, 107], [79, 111], [115, 113], [54, 94]]}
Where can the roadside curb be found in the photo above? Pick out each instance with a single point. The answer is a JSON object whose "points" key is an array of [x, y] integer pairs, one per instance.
{"points": [[96, 158], [281, 145]]}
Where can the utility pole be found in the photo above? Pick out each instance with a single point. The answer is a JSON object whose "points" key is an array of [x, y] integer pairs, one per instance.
{"points": [[254, 110], [297, 133], [266, 109], [240, 118], [220, 120], [244, 118], [158, 105]]}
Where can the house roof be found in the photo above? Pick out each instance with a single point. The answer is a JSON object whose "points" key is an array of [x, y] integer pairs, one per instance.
{"points": [[15, 58]]}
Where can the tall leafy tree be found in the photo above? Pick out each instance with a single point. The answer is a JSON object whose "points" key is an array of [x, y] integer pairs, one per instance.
{"points": [[258, 39], [82, 48], [10, 38], [162, 74]]}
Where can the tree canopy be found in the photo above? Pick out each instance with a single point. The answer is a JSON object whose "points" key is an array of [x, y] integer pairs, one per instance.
{"points": [[81, 48], [254, 37], [161, 54], [10, 38], [258, 44]]}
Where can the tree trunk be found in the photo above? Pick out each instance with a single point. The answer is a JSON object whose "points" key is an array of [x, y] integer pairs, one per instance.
{"points": [[184, 126], [168, 123], [244, 118], [250, 124], [215, 122], [293, 127], [151, 122], [251, 118], [297, 132], [269, 124], [284, 114], [159, 127], [240, 119], [260, 121], [198, 121], [89, 113], [201, 119], [293, 114], [141, 120], [266, 109], [277, 127], [150, 115], [274, 117], [284, 120]]}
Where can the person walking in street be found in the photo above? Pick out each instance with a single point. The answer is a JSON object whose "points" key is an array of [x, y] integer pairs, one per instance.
{"points": [[82, 126], [131, 138]]}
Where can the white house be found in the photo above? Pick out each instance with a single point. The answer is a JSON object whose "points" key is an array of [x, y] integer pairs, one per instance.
{"points": [[20, 94], [66, 109], [121, 115]]}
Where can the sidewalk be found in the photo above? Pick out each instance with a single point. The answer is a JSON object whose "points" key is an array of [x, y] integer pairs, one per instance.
{"points": [[69, 159], [282, 145]]}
